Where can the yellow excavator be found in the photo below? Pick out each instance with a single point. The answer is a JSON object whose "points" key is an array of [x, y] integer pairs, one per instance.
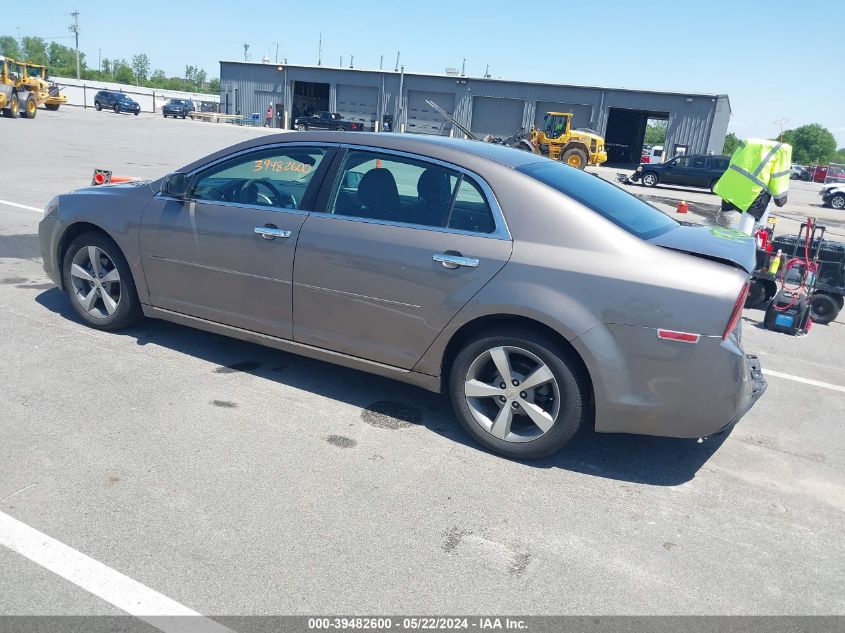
{"points": [[556, 140], [46, 92]]}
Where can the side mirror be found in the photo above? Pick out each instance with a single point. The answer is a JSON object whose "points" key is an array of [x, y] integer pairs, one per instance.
{"points": [[175, 185]]}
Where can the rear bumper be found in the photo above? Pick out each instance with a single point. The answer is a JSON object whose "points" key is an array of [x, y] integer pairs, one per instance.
{"points": [[668, 388]]}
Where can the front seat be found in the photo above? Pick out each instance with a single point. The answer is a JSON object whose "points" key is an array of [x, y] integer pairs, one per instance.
{"points": [[435, 197], [378, 193]]}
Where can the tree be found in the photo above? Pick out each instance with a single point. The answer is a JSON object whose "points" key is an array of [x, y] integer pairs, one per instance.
{"points": [[838, 156], [214, 86], [158, 79], [62, 60], [811, 144], [655, 132], [34, 50], [199, 78], [122, 71], [106, 64], [9, 47], [731, 143], [140, 67]]}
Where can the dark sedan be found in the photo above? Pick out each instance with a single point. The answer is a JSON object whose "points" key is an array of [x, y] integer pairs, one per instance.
{"points": [[687, 171], [537, 296], [178, 108]]}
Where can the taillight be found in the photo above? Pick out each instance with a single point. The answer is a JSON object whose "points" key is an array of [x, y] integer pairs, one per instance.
{"points": [[737, 312], [645, 159]]}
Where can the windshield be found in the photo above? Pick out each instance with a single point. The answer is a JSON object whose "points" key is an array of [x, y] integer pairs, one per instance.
{"points": [[606, 199]]}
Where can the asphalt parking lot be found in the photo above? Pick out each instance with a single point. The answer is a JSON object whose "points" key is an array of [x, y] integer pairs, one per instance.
{"points": [[234, 479]]}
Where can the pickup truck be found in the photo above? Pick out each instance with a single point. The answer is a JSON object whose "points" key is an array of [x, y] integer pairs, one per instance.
{"points": [[326, 121]]}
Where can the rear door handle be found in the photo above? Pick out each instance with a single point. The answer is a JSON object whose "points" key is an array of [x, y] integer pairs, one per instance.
{"points": [[454, 261], [271, 232]]}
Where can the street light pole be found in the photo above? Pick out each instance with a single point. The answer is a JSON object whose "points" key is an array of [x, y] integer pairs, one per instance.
{"points": [[74, 28]]}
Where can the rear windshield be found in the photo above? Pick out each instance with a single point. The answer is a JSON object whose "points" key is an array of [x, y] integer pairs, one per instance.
{"points": [[606, 199]]}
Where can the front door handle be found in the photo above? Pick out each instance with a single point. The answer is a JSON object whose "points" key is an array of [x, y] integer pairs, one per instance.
{"points": [[271, 232], [454, 261]]}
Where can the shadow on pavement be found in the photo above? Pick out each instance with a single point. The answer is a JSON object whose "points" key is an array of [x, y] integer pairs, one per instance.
{"points": [[390, 404]]}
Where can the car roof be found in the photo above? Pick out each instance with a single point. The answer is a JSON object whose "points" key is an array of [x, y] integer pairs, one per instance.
{"points": [[459, 151]]}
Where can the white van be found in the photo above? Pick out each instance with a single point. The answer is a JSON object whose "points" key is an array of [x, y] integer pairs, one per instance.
{"points": [[653, 155]]}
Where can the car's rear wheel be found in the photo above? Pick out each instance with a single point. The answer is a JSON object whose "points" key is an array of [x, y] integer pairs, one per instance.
{"points": [[838, 201], [823, 308], [99, 282], [649, 179], [518, 394]]}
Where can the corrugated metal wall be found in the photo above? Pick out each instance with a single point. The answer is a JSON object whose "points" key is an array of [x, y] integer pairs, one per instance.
{"points": [[697, 121]]}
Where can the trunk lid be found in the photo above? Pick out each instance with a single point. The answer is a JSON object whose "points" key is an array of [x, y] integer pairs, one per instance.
{"points": [[712, 242]]}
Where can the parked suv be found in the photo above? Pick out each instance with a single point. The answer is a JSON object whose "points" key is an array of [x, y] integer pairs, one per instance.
{"points": [[689, 171], [178, 107], [116, 101]]}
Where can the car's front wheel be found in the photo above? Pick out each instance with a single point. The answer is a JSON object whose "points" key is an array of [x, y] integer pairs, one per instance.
{"points": [[97, 106], [116, 109], [301, 127], [518, 394], [650, 179], [99, 282]]}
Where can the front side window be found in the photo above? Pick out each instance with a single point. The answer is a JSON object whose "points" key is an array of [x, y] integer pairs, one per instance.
{"points": [[683, 161], [277, 178], [398, 189]]}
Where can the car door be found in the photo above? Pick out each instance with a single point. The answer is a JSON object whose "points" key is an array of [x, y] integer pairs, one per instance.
{"points": [[677, 171], [225, 252], [699, 174], [400, 244]]}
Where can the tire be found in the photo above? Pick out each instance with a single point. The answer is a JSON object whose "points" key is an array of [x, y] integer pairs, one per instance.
{"points": [[757, 295], [183, 116], [302, 127], [11, 112], [649, 179], [838, 201], [30, 108], [713, 185], [524, 352], [51, 106], [125, 307], [575, 157], [116, 109], [137, 113], [97, 106], [823, 308]]}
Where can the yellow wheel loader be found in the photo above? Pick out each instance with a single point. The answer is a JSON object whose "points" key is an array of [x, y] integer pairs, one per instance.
{"points": [[557, 140], [15, 96], [46, 92]]}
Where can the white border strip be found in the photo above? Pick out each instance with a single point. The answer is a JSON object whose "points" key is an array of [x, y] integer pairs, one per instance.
{"points": [[102, 581], [21, 206], [806, 381]]}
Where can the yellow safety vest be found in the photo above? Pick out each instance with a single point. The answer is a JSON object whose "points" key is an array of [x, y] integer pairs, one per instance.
{"points": [[756, 165]]}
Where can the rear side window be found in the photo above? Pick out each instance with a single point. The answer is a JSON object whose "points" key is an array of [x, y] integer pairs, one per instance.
{"points": [[606, 199], [400, 189]]}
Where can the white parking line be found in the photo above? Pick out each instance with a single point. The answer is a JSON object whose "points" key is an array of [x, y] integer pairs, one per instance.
{"points": [[21, 206], [102, 581], [806, 381]]}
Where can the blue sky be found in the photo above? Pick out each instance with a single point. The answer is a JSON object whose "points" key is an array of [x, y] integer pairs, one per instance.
{"points": [[776, 59]]}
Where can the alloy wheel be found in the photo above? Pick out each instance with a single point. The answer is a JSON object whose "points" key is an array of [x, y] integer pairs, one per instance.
{"points": [[649, 180], [512, 394], [96, 282]]}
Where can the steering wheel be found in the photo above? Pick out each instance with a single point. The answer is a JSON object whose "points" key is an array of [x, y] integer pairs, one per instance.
{"points": [[280, 199]]}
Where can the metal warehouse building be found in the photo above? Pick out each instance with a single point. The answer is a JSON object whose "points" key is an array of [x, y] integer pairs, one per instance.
{"points": [[697, 123]]}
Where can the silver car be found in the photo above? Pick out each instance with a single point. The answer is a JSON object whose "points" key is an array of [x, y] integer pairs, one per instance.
{"points": [[538, 296]]}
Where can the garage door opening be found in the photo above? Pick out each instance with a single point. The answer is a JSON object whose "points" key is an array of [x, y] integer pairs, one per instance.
{"points": [[626, 132], [309, 98]]}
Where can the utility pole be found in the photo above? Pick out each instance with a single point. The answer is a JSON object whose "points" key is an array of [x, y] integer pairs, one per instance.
{"points": [[74, 28], [780, 122], [320, 50], [246, 48]]}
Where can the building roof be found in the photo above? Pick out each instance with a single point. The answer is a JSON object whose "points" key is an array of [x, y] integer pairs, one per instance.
{"points": [[481, 79]]}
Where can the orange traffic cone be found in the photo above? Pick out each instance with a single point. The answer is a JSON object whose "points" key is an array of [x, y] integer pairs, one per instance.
{"points": [[683, 207]]}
